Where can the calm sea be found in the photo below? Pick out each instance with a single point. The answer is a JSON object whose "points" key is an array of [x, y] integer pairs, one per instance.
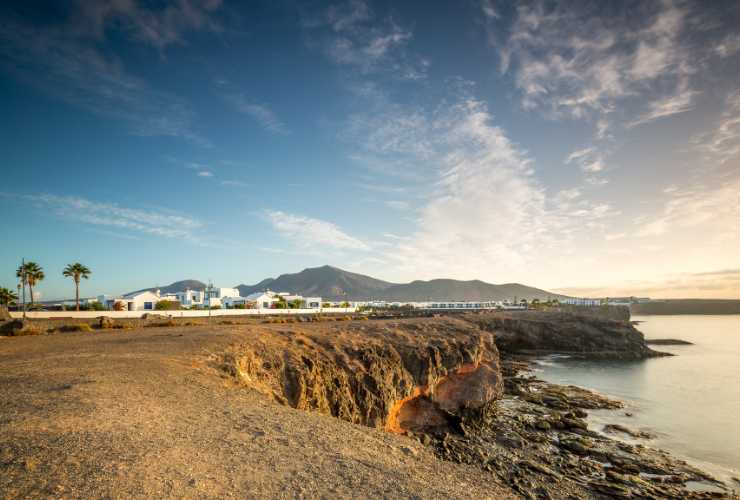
{"points": [[691, 401]]}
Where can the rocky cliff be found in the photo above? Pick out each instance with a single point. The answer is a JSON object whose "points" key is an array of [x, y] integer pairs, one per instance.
{"points": [[565, 333], [396, 375]]}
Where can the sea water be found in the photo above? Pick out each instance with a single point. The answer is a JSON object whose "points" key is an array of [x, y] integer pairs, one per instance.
{"points": [[690, 401]]}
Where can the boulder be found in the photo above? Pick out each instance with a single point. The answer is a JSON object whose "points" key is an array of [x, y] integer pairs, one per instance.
{"points": [[153, 316], [105, 322], [18, 327]]}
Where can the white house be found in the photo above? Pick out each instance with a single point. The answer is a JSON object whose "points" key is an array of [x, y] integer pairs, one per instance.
{"points": [[140, 301], [262, 300], [231, 302], [214, 296], [312, 302], [190, 298]]}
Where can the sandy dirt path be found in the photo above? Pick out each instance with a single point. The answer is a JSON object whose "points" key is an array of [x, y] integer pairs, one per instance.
{"points": [[140, 413]]}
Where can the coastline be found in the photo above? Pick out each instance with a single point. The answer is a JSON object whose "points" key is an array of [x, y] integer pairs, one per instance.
{"points": [[464, 410]]}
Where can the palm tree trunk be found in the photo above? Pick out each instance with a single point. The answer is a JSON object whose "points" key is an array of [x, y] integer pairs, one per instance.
{"points": [[77, 294], [30, 289]]}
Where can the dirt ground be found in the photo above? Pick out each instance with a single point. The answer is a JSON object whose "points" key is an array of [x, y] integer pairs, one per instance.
{"points": [[139, 413]]}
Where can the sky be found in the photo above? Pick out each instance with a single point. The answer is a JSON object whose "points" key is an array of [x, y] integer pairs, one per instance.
{"points": [[589, 148]]}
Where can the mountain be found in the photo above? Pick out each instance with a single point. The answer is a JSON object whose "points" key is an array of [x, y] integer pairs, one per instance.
{"points": [[447, 289], [177, 286], [326, 281], [333, 283]]}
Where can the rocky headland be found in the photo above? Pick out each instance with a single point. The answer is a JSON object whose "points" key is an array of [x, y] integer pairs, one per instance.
{"points": [[452, 389]]}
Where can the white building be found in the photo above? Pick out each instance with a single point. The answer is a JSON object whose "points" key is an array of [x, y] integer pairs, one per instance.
{"points": [[262, 300], [214, 296], [140, 301], [581, 301], [190, 298]]}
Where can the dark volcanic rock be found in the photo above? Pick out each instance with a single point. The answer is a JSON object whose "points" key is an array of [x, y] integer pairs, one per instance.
{"points": [[667, 342], [578, 335]]}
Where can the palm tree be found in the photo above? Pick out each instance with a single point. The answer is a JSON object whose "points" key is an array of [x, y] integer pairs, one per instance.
{"points": [[77, 271], [7, 297], [33, 273]]}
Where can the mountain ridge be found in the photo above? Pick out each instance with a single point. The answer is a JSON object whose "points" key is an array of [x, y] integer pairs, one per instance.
{"points": [[333, 283]]}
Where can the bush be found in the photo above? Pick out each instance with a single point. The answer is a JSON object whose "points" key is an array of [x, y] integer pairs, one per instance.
{"points": [[161, 324], [119, 306], [215, 307], [167, 305], [79, 327]]}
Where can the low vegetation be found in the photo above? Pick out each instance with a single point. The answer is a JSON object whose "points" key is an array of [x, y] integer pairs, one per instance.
{"points": [[168, 305], [78, 327]]}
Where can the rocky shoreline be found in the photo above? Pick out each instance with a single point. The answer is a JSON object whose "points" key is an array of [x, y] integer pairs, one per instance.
{"points": [[537, 441], [444, 384], [458, 392]]}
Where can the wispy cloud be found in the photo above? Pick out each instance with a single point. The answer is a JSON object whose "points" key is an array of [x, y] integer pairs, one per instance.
{"points": [[61, 60], [205, 173], [729, 46], [709, 284], [350, 34], [234, 183], [589, 160], [703, 207], [312, 234], [261, 113], [578, 60], [397, 204], [484, 210], [722, 143], [680, 102], [155, 222], [158, 27]]}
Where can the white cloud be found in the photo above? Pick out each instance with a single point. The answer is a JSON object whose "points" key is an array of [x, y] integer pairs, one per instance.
{"points": [[680, 102], [589, 160], [234, 183], [205, 173], [576, 60], [580, 153], [397, 204], [63, 61], [158, 27], [729, 46], [722, 143], [261, 113], [154, 222], [485, 213], [312, 234], [715, 209], [350, 34]]}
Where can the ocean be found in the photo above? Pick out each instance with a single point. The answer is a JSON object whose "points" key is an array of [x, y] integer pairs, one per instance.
{"points": [[690, 401]]}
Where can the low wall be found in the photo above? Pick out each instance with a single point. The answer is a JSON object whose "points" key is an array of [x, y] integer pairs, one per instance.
{"points": [[179, 314]]}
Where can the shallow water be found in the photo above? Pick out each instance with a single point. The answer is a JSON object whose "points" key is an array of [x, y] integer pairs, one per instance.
{"points": [[690, 401]]}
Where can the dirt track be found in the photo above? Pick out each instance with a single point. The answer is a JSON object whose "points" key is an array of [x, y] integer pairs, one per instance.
{"points": [[141, 413]]}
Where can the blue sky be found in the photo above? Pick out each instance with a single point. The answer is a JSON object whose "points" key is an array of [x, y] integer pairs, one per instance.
{"points": [[588, 148]]}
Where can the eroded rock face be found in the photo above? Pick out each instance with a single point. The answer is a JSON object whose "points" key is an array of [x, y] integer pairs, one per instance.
{"points": [[395, 375], [541, 332]]}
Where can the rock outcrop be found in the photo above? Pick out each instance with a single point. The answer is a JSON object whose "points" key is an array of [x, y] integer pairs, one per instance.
{"points": [[396, 375], [553, 332]]}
